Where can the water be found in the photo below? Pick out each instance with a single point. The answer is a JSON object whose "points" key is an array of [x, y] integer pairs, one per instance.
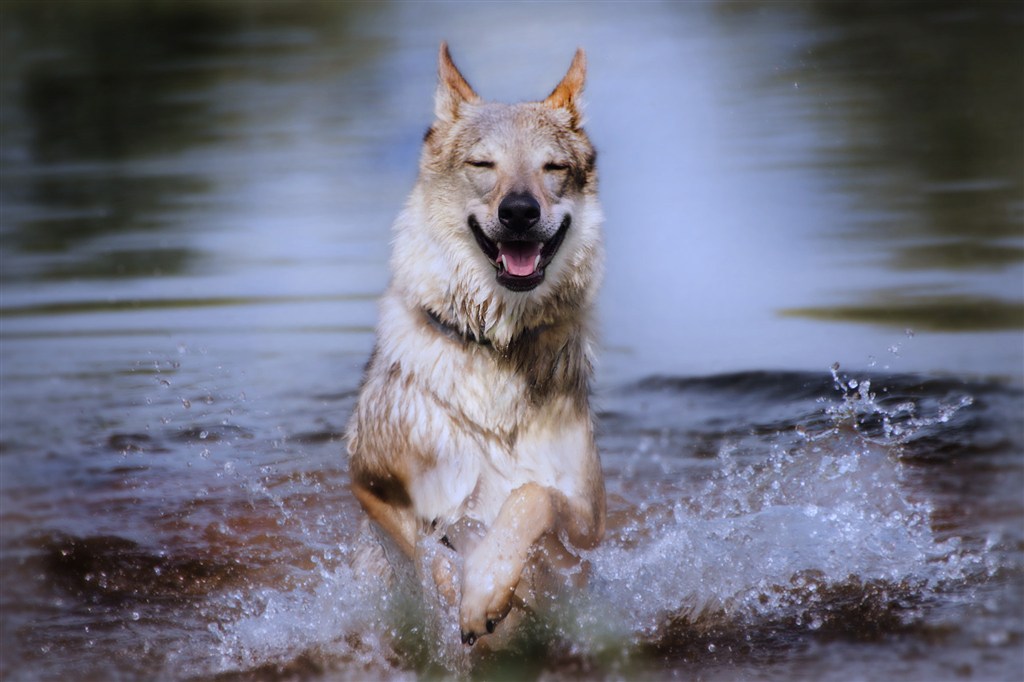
{"points": [[194, 215]]}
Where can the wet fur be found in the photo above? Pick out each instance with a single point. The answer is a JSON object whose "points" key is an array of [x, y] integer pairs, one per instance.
{"points": [[475, 402]]}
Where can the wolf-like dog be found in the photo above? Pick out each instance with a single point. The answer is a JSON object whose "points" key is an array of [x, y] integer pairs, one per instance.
{"points": [[474, 409]]}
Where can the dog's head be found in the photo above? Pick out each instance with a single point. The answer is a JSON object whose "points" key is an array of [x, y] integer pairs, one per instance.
{"points": [[512, 187]]}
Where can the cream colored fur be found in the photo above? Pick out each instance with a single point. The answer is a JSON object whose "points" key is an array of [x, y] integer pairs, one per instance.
{"points": [[474, 407]]}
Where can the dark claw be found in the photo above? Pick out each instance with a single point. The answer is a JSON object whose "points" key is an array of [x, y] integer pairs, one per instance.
{"points": [[490, 626], [468, 638]]}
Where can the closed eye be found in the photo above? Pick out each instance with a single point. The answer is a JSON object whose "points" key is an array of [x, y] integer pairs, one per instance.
{"points": [[555, 167], [478, 163]]}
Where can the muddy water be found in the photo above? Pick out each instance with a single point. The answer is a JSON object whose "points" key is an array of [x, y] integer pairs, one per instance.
{"points": [[194, 216]]}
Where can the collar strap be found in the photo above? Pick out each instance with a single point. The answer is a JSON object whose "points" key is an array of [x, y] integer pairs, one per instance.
{"points": [[451, 331]]}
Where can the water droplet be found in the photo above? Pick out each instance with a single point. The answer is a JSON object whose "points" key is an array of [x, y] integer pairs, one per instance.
{"points": [[136, 615], [186, 403], [711, 648]]}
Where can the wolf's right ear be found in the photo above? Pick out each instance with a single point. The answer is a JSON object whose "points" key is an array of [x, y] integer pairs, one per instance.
{"points": [[452, 89], [566, 94]]}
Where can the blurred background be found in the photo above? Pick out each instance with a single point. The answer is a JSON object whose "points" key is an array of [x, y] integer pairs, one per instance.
{"points": [[195, 209], [786, 184]]}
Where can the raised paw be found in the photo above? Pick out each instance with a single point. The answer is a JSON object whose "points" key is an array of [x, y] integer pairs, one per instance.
{"points": [[487, 589], [471, 637], [476, 620]]}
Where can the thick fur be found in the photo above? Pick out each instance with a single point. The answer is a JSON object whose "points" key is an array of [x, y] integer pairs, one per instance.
{"points": [[475, 404]]}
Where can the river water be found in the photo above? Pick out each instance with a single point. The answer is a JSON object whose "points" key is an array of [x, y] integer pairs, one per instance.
{"points": [[810, 384]]}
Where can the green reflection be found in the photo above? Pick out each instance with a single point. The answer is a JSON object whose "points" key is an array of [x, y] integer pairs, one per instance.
{"points": [[919, 109], [123, 263], [114, 306], [96, 89], [939, 144], [958, 255], [72, 208], [925, 313], [101, 103], [112, 81]]}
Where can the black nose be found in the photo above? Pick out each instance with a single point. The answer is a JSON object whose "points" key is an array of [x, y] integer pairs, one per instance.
{"points": [[519, 211]]}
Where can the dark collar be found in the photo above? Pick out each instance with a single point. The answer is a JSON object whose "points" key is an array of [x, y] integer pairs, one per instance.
{"points": [[451, 331]]}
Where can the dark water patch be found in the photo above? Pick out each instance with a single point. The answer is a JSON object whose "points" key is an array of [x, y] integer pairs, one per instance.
{"points": [[113, 102], [83, 204], [135, 443], [123, 263], [318, 437], [701, 413], [766, 405], [955, 313], [850, 611], [306, 666], [754, 386], [958, 255], [130, 305], [349, 395], [974, 439], [213, 433], [118, 571]]}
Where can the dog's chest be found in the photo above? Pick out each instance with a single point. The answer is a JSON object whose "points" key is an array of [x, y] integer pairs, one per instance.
{"points": [[486, 434], [472, 474], [467, 424]]}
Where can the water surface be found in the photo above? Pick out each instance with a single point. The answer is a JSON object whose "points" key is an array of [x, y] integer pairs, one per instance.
{"points": [[194, 227]]}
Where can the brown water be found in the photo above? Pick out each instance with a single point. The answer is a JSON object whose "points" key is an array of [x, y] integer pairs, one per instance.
{"points": [[194, 214]]}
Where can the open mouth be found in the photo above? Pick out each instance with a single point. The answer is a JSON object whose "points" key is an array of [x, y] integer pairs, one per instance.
{"points": [[520, 264]]}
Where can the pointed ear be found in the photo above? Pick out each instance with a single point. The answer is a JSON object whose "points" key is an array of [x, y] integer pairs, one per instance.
{"points": [[452, 88], [566, 94]]}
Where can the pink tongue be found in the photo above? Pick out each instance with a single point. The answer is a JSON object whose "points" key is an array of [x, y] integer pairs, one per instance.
{"points": [[520, 257]]}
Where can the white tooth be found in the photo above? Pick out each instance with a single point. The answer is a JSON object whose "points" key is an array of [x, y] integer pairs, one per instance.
{"points": [[536, 262], [503, 263]]}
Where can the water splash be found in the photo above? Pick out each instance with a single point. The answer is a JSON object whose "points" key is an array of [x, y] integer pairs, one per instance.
{"points": [[862, 410], [816, 531], [823, 524]]}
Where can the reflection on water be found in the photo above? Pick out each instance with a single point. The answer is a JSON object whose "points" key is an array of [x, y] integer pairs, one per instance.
{"points": [[90, 91], [194, 214], [926, 312], [922, 111], [941, 127]]}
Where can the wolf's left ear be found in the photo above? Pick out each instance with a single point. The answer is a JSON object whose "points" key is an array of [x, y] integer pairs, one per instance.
{"points": [[452, 89], [566, 94]]}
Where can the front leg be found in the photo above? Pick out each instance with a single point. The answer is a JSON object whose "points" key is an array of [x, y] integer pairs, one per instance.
{"points": [[493, 568], [395, 519]]}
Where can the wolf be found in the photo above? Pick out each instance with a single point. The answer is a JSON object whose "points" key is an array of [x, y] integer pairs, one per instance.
{"points": [[473, 431]]}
